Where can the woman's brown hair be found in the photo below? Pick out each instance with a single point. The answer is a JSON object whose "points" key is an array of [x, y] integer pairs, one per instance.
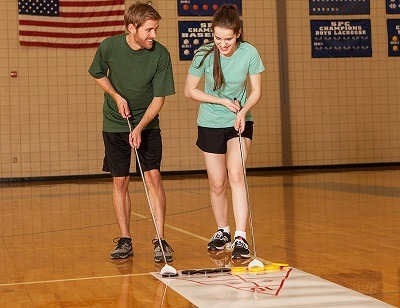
{"points": [[226, 17]]}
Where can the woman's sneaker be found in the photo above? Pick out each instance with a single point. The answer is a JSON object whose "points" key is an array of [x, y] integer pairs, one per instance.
{"points": [[158, 255], [240, 248], [219, 240], [123, 249]]}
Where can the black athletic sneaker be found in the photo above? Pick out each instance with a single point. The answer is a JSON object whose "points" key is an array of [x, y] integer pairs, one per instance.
{"points": [[219, 240], [123, 249], [158, 255], [240, 248]]}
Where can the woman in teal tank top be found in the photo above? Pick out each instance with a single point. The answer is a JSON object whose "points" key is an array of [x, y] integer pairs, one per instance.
{"points": [[225, 105]]}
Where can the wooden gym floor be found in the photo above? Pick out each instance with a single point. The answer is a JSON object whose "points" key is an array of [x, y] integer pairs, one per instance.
{"points": [[341, 225]]}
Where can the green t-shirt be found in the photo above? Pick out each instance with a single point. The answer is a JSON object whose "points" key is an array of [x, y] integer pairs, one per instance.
{"points": [[244, 61], [137, 75]]}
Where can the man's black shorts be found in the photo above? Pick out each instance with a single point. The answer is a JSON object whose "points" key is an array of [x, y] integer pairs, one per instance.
{"points": [[117, 157], [214, 140]]}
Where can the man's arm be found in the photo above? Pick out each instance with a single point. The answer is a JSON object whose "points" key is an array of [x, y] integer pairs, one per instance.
{"points": [[151, 112], [121, 102]]}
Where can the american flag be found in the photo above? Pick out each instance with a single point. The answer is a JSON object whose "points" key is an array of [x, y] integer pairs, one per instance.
{"points": [[69, 23]]}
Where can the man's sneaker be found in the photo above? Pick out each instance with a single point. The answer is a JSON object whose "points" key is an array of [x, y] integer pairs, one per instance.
{"points": [[123, 249], [240, 248], [158, 255], [219, 240]]}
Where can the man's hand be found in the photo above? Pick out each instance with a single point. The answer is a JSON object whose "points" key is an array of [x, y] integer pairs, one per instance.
{"points": [[123, 108], [135, 137]]}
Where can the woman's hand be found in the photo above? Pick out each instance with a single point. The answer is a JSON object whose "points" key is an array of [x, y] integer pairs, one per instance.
{"points": [[240, 121], [233, 106]]}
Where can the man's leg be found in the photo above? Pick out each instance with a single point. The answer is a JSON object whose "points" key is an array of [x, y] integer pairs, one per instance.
{"points": [[117, 161], [158, 201], [122, 204], [122, 209], [150, 154], [157, 197]]}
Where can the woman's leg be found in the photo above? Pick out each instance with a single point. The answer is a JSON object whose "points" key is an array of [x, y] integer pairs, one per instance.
{"points": [[236, 180], [217, 178]]}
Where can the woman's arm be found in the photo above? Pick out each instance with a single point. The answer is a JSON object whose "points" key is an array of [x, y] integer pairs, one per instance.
{"points": [[252, 100], [193, 92]]}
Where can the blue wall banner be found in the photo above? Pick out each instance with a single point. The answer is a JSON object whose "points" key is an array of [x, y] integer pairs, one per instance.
{"points": [[393, 29], [341, 38], [193, 34], [393, 6], [204, 7], [339, 7]]}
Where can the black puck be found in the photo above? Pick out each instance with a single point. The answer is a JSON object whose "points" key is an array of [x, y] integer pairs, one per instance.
{"points": [[190, 272], [206, 270], [167, 275], [222, 270]]}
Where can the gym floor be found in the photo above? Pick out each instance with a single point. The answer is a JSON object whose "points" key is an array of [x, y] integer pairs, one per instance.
{"points": [[56, 237]]}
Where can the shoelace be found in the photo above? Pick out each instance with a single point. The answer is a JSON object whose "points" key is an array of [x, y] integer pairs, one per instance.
{"points": [[164, 243], [120, 241], [217, 235], [239, 243]]}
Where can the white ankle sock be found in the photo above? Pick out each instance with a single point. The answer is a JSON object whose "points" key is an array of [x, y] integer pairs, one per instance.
{"points": [[226, 229], [240, 233]]}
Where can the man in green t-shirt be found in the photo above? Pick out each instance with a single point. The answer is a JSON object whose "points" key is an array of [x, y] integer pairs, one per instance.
{"points": [[135, 72]]}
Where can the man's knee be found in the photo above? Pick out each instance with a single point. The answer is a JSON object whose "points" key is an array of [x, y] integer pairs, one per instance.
{"points": [[121, 182], [153, 177]]}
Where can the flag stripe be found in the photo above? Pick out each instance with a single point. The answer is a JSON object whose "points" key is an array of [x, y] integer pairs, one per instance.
{"points": [[79, 24], [65, 42], [90, 3], [68, 35], [70, 24], [91, 14], [106, 8], [59, 45]]}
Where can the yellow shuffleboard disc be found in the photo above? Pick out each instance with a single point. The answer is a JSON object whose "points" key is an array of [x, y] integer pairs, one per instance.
{"points": [[271, 267], [281, 264], [238, 269], [256, 269]]}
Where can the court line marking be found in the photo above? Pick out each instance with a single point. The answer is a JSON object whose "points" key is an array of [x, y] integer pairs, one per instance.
{"points": [[70, 279]]}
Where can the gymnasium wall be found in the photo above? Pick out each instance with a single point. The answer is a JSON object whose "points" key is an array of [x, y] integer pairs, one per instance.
{"points": [[342, 111]]}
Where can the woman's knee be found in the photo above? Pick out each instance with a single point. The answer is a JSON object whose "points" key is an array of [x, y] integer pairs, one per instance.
{"points": [[218, 187], [236, 176]]}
